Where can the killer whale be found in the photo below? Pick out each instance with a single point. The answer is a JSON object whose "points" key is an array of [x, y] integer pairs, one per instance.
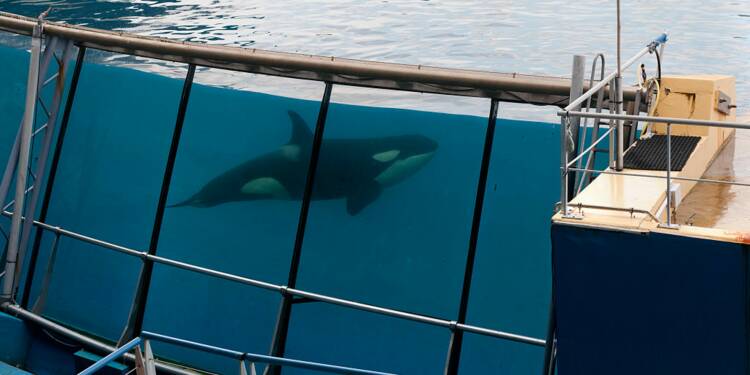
{"points": [[353, 169]]}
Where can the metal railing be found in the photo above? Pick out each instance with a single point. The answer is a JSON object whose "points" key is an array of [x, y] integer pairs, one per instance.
{"points": [[331, 71], [285, 290], [572, 114], [616, 149], [512, 87], [145, 363]]}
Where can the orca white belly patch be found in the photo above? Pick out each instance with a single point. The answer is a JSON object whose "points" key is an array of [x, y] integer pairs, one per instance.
{"points": [[266, 186], [401, 169], [386, 156]]}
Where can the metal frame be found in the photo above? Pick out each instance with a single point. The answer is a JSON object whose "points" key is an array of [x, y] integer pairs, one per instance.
{"points": [[570, 114], [283, 290], [24, 150], [669, 121], [138, 308], [145, 362], [568, 166], [510, 87], [83, 339], [278, 345], [43, 52], [53, 173], [496, 86], [456, 343]]}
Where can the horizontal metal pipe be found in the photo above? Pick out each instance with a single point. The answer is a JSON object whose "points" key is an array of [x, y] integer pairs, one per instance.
{"points": [[661, 120], [503, 335], [193, 345], [84, 340], [286, 290], [259, 358], [320, 68], [709, 181], [621, 209]]}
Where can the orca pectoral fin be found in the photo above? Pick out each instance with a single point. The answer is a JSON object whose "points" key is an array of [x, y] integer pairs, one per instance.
{"points": [[363, 197]]}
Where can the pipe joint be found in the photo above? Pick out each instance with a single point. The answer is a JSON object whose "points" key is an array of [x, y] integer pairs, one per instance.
{"points": [[453, 325], [284, 291]]}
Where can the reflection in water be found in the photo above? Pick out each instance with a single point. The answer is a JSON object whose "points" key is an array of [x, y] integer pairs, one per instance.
{"points": [[499, 35], [355, 169], [719, 205]]}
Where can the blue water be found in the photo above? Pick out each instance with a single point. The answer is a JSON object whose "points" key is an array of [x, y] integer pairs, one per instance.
{"points": [[406, 250], [528, 37]]}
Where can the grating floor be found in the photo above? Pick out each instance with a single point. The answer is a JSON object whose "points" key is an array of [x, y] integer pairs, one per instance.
{"points": [[651, 153]]}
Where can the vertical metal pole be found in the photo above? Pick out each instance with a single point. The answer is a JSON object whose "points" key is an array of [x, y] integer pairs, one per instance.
{"points": [[456, 343], [41, 164], [618, 103], [13, 156], [620, 132], [576, 90], [53, 174], [612, 143], [278, 346], [669, 175], [635, 111], [563, 165], [23, 164], [549, 346], [10, 167], [135, 320]]}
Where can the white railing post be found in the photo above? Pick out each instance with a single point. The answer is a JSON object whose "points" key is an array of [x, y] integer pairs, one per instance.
{"points": [[140, 366], [563, 165], [243, 368], [670, 202], [149, 358]]}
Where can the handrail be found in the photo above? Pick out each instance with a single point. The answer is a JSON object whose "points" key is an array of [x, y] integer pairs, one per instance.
{"points": [[669, 121], [457, 82], [291, 291], [615, 76], [98, 365], [593, 145], [661, 39], [233, 354], [659, 120], [619, 209], [706, 180], [29, 316], [258, 357]]}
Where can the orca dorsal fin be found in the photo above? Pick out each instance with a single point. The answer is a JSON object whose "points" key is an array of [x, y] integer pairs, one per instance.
{"points": [[301, 134]]}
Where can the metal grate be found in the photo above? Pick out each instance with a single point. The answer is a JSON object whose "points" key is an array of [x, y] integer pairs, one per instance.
{"points": [[651, 153]]}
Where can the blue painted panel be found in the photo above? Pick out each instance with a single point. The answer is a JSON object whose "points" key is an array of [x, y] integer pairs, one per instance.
{"points": [[648, 303], [6, 369], [14, 340]]}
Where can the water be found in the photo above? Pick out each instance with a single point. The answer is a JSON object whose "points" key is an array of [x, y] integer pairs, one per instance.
{"points": [[404, 251], [532, 37]]}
